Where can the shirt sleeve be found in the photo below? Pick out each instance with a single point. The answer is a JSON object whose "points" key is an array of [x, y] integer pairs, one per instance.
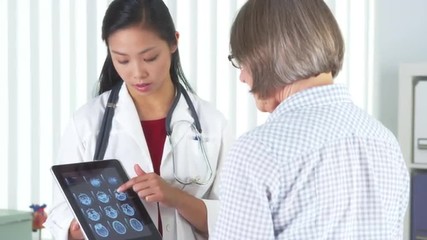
{"points": [[247, 184]]}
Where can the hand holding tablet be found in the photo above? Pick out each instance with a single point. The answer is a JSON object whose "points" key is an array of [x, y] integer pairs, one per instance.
{"points": [[75, 231], [102, 212]]}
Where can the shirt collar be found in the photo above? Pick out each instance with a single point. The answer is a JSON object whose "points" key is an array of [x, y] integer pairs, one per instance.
{"points": [[312, 97]]}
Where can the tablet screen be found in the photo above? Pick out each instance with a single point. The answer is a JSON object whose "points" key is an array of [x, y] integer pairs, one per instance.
{"points": [[104, 213]]}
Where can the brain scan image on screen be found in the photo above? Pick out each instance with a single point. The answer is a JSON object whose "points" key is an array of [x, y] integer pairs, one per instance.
{"points": [[121, 196], [113, 181], [85, 199], [101, 230], [104, 213], [102, 197], [96, 182], [136, 225], [128, 210], [119, 227], [93, 215], [111, 212]]}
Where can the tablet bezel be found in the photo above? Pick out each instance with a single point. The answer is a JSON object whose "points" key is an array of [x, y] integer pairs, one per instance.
{"points": [[64, 169]]}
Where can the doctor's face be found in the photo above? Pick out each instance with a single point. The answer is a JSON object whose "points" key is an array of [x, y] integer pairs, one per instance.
{"points": [[142, 59]]}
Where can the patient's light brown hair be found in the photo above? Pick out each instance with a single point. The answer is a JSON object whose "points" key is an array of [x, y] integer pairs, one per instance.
{"points": [[282, 41]]}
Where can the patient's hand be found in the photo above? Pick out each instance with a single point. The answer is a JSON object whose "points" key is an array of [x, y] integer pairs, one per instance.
{"points": [[75, 233]]}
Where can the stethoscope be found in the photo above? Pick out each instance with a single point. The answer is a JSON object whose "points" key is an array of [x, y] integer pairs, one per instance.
{"points": [[102, 140]]}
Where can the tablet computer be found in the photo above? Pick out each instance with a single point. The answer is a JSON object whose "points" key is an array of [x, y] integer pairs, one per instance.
{"points": [[104, 213]]}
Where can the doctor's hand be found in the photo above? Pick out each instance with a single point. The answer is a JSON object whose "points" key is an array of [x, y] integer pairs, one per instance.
{"points": [[75, 233], [151, 187]]}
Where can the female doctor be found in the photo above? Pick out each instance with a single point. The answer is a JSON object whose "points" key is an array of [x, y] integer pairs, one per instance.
{"points": [[170, 142]]}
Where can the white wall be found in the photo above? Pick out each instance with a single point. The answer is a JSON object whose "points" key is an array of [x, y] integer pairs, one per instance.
{"points": [[401, 37]]}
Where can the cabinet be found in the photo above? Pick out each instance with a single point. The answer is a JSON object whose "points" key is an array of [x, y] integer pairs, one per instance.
{"points": [[410, 75], [15, 224]]}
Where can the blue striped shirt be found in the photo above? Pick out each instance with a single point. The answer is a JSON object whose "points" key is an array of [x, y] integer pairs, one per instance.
{"points": [[319, 168]]}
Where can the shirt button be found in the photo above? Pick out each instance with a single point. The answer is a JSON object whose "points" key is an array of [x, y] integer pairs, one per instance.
{"points": [[168, 227]]}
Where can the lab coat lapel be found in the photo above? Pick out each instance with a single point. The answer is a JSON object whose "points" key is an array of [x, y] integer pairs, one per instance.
{"points": [[181, 113], [127, 117]]}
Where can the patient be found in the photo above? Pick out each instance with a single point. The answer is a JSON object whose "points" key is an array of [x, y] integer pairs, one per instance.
{"points": [[320, 167]]}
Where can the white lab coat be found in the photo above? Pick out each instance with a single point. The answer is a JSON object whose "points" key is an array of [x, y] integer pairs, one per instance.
{"points": [[127, 144]]}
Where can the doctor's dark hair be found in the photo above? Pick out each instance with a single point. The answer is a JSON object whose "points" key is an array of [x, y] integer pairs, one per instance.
{"points": [[283, 41], [152, 15]]}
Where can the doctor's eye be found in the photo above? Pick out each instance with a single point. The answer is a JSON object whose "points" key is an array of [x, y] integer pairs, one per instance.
{"points": [[151, 59], [123, 62]]}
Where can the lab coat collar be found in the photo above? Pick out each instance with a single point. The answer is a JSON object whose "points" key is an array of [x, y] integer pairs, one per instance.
{"points": [[127, 119]]}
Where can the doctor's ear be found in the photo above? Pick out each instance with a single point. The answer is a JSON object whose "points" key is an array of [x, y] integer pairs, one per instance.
{"points": [[174, 47]]}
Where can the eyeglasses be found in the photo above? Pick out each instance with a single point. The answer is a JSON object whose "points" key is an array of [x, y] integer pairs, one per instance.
{"points": [[234, 62]]}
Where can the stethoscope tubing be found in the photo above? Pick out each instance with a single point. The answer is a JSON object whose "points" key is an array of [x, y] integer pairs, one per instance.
{"points": [[181, 90], [104, 132]]}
